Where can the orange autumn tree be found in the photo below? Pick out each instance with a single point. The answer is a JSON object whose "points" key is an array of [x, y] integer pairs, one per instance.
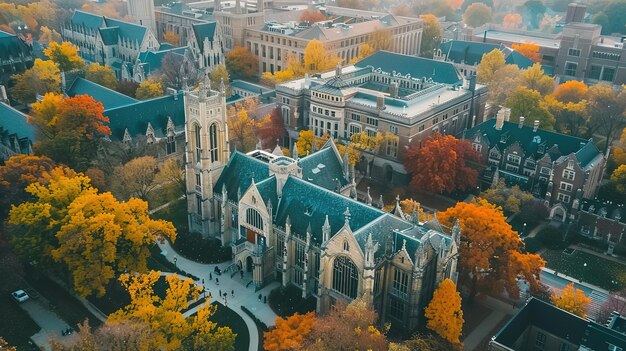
{"points": [[440, 164], [491, 257], [69, 128], [17, 173], [529, 50], [512, 20], [271, 128], [572, 300], [571, 91], [311, 16], [444, 313], [289, 333]]}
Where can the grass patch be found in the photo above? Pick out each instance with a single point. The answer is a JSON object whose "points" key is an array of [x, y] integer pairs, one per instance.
{"points": [[65, 305], [599, 271], [175, 213], [16, 326], [517, 223], [163, 195], [204, 250], [286, 301], [225, 317]]}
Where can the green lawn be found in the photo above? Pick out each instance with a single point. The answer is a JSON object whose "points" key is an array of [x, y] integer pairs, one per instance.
{"points": [[599, 271], [16, 326], [518, 225], [287, 301], [225, 317]]}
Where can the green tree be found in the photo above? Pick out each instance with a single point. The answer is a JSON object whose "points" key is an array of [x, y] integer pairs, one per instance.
{"points": [[64, 55], [528, 103], [607, 113], [619, 179], [44, 77], [477, 14], [509, 199], [431, 35], [102, 75]]}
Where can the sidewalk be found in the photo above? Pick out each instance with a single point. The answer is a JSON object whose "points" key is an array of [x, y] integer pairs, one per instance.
{"points": [[500, 310], [243, 296], [51, 324]]}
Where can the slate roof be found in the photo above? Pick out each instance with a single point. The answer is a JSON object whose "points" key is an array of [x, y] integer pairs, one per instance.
{"points": [[137, 115], [267, 189], [238, 172], [131, 31], [109, 35], [471, 53], [109, 98], [204, 30], [12, 47], [152, 59], [417, 67], [382, 230], [585, 150], [87, 19], [306, 203], [13, 121], [323, 168], [251, 87], [560, 323]]}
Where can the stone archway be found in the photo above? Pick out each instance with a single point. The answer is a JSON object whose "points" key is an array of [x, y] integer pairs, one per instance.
{"points": [[558, 213], [249, 264]]}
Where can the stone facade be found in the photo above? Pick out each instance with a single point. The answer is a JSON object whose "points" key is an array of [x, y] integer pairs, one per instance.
{"points": [[560, 169], [406, 98]]}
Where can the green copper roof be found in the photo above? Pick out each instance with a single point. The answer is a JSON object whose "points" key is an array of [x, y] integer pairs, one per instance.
{"points": [[152, 59], [204, 30], [417, 67], [13, 121], [137, 115], [306, 203], [531, 141], [128, 30], [11, 47], [470, 52], [109, 98], [238, 173], [87, 19], [110, 35], [323, 168], [267, 189]]}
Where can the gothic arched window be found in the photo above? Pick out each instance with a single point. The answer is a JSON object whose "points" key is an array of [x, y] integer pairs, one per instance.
{"points": [[213, 142], [254, 218], [198, 143], [345, 277]]}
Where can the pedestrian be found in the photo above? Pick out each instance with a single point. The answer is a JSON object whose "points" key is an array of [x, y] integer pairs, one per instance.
{"points": [[265, 299], [202, 281], [210, 296], [220, 292], [210, 276], [217, 281], [241, 272], [232, 293], [260, 297]]}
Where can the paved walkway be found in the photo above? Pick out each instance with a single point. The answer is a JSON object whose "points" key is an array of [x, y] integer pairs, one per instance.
{"points": [[537, 229], [243, 296], [50, 323], [499, 311]]}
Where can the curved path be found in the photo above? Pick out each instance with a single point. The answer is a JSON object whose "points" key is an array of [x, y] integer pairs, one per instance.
{"points": [[243, 296]]}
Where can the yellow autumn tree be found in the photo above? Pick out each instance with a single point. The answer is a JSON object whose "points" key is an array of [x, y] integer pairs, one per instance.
{"points": [[307, 141], [64, 55], [316, 59], [171, 38], [164, 314], [534, 78], [572, 300], [289, 333], [35, 223], [365, 50], [44, 77], [489, 64], [444, 313], [149, 89], [619, 150], [102, 237], [242, 128], [529, 50], [102, 75]]}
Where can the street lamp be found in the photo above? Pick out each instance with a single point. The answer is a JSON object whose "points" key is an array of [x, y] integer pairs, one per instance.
{"points": [[524, 229], [175, 260]]}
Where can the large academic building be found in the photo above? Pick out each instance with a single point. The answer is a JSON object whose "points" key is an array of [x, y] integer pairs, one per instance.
{"points": [[295, 220]]}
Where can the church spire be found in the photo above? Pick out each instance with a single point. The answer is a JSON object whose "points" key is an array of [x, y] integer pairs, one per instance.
{"points": [[326, 230]]}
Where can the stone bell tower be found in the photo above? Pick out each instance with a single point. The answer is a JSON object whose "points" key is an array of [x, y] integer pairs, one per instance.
{"points": [[207, 151]]}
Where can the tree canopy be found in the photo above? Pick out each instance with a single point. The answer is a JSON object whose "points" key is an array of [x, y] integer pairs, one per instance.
{"points": [[44, 77], [241, 63], [64, 55], [572, 300], [289, 333], [490, 257], [477, 14], [489, 64], [444, 313], [149, 89], [431, 35], [102, 75], [529, 103], [529, 50], [440, 164]]}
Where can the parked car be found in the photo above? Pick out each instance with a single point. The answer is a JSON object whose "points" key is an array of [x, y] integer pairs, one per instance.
{"points": [[20, 295]]}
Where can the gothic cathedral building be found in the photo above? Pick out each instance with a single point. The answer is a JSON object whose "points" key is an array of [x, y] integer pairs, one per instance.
{"points": [[296, 220]]}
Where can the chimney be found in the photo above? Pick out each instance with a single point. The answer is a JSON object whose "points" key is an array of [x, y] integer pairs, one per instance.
{"points": [[393, 89], [338, 69], [380, 102], [575, 13], [521, 122], [536, 125], [507, 114], [500, 119]]}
